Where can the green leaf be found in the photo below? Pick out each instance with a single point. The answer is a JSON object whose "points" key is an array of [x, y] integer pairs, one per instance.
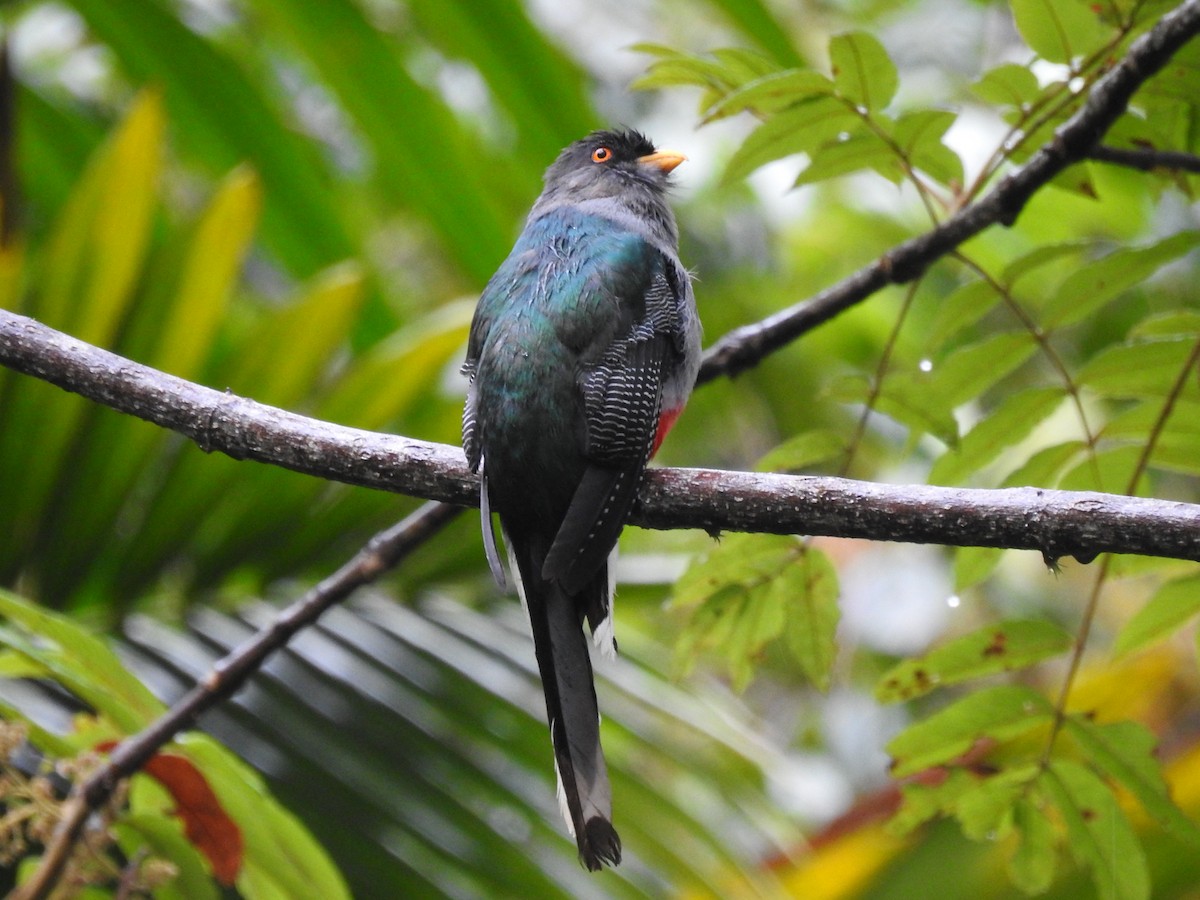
{"points": [[848, 388], [963, 307], [862, 71], [1176, 453], [926, 400], [1010, 423], [801, 128], [1044, 467], [1175, 439], [280, 854], [40, 737], [1138, 421], [1142, 369], [163, 837], [1176, 81], [726, 71], [1077, 178], [366, 396], [808, 590], [528, 75], [737, 559], [737, 622], [90, 269], [430, 165], [923, 801], [209, 273], [675, 69], [922, 127], [743, 66], [854, 154], [996, 648], [223, 117], [1000, 713], [906, 400], [53, 142], [1126, 751], [730, 589], [919, 134], [772, 93], [804, 450], [102, 237], [1109, 470], [1093, 285], [17, 665], [970, 370], [1098, 832], [83, 663], [1033, 864], [758, 21], [973, 564], [986, 811], [1008, 84], [294, 346], [1171, 606], [1064, 254], [1175, 323], [747, 591], [173, 328], [1060, 30]]}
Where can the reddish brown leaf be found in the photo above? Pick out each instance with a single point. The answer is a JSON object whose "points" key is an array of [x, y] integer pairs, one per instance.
{"points": [[205, 822]]}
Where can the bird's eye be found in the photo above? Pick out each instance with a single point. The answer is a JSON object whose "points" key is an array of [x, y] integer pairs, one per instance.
{"points": [[601, 155]]}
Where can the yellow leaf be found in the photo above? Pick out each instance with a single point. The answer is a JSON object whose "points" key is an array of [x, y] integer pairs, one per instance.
{"points": [[100, 242], [845, 866], [210, 271]]}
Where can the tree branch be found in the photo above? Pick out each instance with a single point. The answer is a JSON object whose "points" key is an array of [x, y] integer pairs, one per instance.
{"points": [[1145, 158], [233, 425], [1082, 524], [381, 553], [1074, 141], [1058, 523]]}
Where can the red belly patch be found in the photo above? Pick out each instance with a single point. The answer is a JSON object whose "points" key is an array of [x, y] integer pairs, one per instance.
{"points": [[665, 421]]}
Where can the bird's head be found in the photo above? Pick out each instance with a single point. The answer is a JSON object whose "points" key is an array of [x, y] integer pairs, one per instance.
{"points": [[621, 166], [610, 163]]}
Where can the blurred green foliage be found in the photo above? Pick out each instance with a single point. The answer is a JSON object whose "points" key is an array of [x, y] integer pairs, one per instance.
{"points": [[297, 201]]}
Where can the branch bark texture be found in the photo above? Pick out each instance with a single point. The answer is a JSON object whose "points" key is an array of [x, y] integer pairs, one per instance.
{"points": [[1058, 523]]}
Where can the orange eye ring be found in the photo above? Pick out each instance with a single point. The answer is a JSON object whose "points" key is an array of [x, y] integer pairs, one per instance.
{"points": [[601, 155]]}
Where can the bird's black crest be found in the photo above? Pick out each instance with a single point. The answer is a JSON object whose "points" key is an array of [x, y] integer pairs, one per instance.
{"points": [[625, 142], [626, 146]]}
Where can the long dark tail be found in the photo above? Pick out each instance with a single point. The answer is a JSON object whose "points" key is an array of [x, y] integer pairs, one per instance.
{"points": [[566, 669]]}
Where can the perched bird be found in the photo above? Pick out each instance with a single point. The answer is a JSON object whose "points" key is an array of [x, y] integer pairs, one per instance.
{"points": [[582, 352]]}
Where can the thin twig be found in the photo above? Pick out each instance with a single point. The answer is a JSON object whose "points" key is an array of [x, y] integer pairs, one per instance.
{"points": [[1146, 159], [381, 553], [877, 381]]}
